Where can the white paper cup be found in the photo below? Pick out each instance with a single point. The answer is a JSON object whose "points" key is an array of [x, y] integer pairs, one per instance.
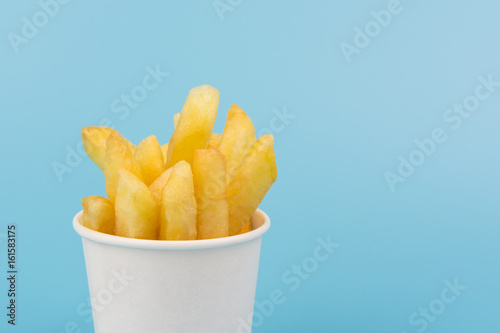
{"points": [[153, 286]]}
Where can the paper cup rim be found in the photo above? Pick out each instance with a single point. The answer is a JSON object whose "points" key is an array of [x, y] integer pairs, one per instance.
{"points": [[120, 241]]}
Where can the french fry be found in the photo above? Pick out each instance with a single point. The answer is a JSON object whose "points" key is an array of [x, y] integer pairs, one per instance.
{"points": [[98, 214], [246, 227], [164, 150], [94, 142], [118, 156], [136, 211], [215, 140], [156, 188], [209, 176], [176, 118], [150, 159], [194, 129], [251, 182], [237, 138], [178, 208]]}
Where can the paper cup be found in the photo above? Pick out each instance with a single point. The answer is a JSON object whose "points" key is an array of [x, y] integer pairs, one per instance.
{"points": [[153, 286]]}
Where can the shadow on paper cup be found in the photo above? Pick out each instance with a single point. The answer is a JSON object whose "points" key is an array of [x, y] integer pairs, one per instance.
{"points": [[153, 286]]}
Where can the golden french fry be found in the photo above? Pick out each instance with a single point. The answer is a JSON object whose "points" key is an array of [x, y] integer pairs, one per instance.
{"points": [[150, 159], [94, 141], [246, 227], [118, 156], [98, 214], [156, 188], [176, 118], [178, 208], [136, 211], [237, 138], [209, 176], [194, 129], [215, 140], [251, 182], [164, 150]]}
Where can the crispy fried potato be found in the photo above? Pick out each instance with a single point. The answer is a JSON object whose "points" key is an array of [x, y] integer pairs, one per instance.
{"points": [[150, 159], [194, 129], [136, 211], [209, 176], [178, 208], [98, 214], [251, 182], [94, 141], [246, 227], [118, 156], [237, 138], [199, 185], [156, 188], [164, 150], [215, 140], [176, 118]]}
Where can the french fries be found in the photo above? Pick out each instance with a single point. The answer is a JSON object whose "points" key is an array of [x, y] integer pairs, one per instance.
{"points": [[194, 128], [136, 211], [178, 205], [118, 156], [199, 185], [94, 142], [150, 159], [98, 214], [237, 138], [251, 182], [209, 176]]}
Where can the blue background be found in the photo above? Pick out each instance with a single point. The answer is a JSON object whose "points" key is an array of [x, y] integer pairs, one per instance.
{"points": [[351, 123]]}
